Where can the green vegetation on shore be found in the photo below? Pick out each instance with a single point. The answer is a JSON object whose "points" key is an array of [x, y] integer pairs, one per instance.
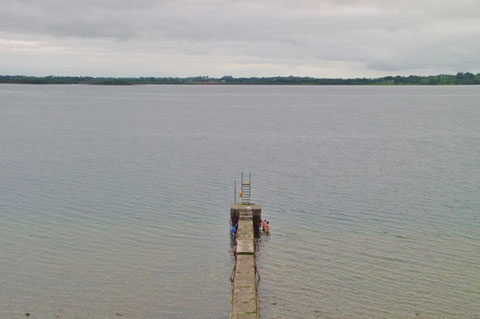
{"points": [[442, 79]]}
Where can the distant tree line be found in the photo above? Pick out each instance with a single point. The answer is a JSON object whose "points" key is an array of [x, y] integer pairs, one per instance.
{"points": [[441, 79]]}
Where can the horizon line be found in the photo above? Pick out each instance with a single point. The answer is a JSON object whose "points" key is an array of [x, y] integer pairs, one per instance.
{"points": [[233, 77]]}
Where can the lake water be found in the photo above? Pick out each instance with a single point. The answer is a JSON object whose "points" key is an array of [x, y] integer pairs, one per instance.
{"points": [[116, 200]]}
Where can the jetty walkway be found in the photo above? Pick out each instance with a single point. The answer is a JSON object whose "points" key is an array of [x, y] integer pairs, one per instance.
{"points": [[244, 276]]}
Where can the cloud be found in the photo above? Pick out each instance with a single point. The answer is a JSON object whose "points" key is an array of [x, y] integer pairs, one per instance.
{"points": [[241, 38]]}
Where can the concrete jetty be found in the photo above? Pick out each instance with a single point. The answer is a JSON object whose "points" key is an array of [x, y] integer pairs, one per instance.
{"points": [[244, 295], [256, 210]]}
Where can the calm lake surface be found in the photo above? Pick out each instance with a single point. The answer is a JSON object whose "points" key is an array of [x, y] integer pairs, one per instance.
{"points": [[116, 200]]}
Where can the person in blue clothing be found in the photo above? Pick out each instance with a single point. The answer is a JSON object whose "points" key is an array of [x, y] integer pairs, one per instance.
{"points": [[234, 229]]}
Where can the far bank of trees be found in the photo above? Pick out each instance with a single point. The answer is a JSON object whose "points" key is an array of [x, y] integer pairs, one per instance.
{"points": [[460, 78]]}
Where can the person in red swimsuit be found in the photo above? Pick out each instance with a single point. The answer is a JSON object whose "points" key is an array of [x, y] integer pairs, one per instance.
{"points": [[267, 227], [264, 222]]}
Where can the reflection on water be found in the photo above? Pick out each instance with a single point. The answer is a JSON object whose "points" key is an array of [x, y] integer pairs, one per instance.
{"points": [[116, 200]]}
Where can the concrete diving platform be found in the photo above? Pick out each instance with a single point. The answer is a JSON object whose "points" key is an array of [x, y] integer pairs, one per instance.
{"points": [[244, 294], [256, 213]]}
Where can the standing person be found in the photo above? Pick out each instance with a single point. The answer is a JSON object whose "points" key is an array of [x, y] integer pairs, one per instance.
{"points": [[234, 230], [267, 227], [264, 222]]}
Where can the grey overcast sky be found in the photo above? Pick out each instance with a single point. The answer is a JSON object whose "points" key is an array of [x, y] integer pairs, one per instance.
{"points": [[323, 38]]}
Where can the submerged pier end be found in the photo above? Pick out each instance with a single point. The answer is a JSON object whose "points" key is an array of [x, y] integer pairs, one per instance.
{"points": [[244, 295]]}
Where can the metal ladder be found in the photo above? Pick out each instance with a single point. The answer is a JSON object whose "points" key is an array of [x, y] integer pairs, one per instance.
{"points": [[246, 189]]}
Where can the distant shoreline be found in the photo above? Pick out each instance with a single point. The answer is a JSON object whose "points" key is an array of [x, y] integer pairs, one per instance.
{"points": [[441, 79]]}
